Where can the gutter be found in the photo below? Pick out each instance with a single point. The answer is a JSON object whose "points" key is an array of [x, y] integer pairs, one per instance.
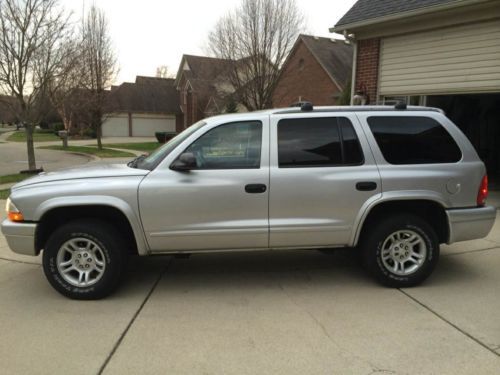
{"points": [[352, 40], [398, 16]]}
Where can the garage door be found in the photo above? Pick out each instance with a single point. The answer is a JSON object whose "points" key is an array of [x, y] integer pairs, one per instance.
{"points": [[463, 59], [115, 126], [146, 126]]}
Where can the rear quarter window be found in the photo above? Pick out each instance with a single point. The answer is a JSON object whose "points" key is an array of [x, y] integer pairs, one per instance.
{"points": [[413, 140]]}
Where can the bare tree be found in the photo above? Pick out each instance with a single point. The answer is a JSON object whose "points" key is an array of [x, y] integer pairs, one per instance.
{"points": [[64, 87], [31, 34], [256, 38], [99, 65], [163, 72]]}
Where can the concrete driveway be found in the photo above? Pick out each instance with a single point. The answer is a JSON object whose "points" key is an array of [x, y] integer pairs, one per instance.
{"points": [[296, 312]]}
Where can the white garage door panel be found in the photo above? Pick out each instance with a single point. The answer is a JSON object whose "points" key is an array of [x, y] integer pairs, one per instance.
{"points": [[115, 126], [454, 60], [147, 126]]}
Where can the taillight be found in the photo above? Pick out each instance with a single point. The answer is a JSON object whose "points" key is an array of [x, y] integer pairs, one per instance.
{"points": [[482, 194]]}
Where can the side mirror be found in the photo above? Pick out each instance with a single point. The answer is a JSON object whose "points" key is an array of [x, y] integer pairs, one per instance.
{"points": [[185, 162]]}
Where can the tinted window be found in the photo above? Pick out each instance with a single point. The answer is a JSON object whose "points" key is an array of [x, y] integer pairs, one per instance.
{"points": [[230, 146], [414, 140], [317, 142], [351, 147]]}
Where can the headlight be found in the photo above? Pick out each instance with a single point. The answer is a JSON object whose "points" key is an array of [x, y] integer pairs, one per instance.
{"points": [[12, 212]]}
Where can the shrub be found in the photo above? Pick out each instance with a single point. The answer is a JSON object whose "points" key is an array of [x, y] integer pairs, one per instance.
{"points": [[164, 137], [56, 127], [90, 133]]}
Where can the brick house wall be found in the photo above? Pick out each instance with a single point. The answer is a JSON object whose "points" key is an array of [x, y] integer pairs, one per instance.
{"points": [[302, 68], [367, 67]]}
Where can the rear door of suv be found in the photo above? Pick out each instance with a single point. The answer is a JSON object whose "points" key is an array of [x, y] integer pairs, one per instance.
{"points": [[323, 175]]}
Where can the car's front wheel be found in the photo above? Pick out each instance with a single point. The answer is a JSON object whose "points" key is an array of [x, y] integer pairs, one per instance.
{"points": [[401, 251], [85, 259]]}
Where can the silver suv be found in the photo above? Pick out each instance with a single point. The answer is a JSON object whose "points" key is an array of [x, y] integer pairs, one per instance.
{"points": [[394, 182]]}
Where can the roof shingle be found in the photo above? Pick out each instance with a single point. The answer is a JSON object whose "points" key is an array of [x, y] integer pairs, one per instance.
{"points": [[146, 95], [371, 9], [335, 56]]}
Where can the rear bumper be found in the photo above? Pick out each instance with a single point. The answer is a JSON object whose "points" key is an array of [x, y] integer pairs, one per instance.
{"points": [[470, 223], [20, 237]]}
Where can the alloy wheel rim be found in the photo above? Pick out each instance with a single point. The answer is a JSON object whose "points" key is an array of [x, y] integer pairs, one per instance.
{"points": [[81, 262], [403, 252]]}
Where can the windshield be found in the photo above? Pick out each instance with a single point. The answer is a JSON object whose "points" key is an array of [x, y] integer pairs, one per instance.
{"points": [[151, 161]]}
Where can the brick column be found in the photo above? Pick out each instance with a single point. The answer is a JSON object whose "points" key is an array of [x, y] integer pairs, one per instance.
{"points": [[367, 67]]}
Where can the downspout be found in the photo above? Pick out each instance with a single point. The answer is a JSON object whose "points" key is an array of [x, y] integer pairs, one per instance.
{"points": [[352, 39]]}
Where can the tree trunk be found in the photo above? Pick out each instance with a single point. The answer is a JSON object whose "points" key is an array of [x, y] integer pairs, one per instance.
{"points": [[31, 149], [99, 135]]}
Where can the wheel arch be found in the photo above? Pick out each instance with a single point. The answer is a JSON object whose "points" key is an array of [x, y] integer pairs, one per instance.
{"points": [[430, 209], [55, 212]]}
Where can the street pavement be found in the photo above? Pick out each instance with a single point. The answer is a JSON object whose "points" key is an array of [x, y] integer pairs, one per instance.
{"points": [[13, 155], [290, 312]]}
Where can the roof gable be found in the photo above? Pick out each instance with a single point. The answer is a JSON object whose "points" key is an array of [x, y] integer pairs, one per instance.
{"points": [[335, 57], [201, 68]]}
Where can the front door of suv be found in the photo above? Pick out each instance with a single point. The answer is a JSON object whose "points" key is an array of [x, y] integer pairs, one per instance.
{"points": [[322, 176], [220, 204]]}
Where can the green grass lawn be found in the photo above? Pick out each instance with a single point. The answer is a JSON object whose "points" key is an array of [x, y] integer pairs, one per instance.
{"points": [[104, 153], [20, 136], [144, 146], [11, 178], [4, 194]]}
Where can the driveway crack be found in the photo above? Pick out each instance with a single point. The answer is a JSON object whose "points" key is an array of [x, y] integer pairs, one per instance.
{"points": [[129, 325], [344, 352], [439, 316]]}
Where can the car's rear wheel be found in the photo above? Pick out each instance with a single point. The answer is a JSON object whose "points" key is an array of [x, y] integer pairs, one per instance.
{"points": [[85, 259], [401, 251]]}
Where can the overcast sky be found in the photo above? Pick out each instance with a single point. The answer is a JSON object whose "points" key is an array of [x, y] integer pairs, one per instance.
{"points": [[150, 33]]}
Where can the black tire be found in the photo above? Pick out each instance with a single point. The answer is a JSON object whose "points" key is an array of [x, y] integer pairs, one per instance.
{"points": [[373, 243], [113, 254]]}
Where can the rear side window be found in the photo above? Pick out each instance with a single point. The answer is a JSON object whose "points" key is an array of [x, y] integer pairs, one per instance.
{"points": [[317, 142], [414, 140]]}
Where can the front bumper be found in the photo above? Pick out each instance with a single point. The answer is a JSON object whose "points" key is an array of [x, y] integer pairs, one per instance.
{"points": [[20, 237], [470, 223]]}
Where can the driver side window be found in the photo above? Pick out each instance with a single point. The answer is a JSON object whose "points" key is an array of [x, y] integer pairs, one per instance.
{"points": [[235, 145]]}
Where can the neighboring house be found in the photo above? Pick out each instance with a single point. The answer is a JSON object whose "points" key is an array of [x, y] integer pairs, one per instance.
{"points": [[441, 53], [317, 70], [204, 88], [142, 108]]}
